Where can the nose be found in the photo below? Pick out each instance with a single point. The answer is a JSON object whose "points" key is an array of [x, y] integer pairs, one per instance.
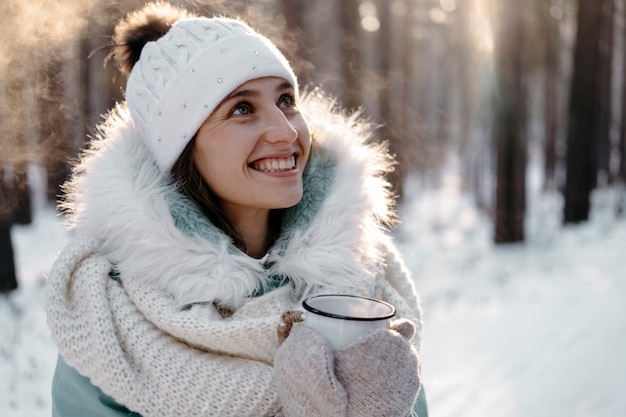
{"points": [[279, 128]]}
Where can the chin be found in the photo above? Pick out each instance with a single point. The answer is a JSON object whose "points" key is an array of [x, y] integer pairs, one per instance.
{"points": [[287, 202]]}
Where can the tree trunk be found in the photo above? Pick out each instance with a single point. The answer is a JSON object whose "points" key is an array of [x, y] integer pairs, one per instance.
{"points": [[8, 280], [350, 63], [294, 13], [53, 132], [603, 108], [582, 123], [510, 128], [390, 131], [10, 198], [22, 211], [551, 97], [622, 137], [620, 174], [406, 132]]}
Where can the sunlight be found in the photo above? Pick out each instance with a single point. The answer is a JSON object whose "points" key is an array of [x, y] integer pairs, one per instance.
{"points": [[481, 22], [448, 5], [37, 27], [369, 19], [556, 12], [439, 16]]}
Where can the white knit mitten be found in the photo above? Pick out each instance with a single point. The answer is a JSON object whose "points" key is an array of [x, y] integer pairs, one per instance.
{"points": [[306, 382], [380, 372]]}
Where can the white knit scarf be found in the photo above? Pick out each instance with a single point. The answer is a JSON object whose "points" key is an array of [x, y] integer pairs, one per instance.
{"points": [[159, 360], [113, 340]]}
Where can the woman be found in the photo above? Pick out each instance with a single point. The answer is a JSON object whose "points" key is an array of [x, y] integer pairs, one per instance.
{"points": [[211, 202]]}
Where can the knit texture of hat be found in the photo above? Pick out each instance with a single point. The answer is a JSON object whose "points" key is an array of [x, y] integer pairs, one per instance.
{"points": [[183, 76]]}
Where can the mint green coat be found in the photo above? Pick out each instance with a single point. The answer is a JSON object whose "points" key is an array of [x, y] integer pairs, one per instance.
{"points": [[73, 395]]}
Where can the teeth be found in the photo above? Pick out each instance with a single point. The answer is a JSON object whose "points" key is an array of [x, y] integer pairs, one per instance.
{"points": [[275, 165]]}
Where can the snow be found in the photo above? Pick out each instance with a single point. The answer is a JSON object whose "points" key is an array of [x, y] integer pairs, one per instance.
{"points": [[534, 329], [531, 329]]}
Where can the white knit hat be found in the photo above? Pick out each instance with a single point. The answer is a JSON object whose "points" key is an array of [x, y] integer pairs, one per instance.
{"points": [[183, 76]]}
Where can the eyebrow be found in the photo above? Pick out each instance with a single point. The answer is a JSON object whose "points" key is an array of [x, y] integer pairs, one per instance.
{"points": [[254, 93]]}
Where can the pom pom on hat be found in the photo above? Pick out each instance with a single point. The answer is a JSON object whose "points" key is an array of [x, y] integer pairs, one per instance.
{"points": [[140, 27], [182, 76]]}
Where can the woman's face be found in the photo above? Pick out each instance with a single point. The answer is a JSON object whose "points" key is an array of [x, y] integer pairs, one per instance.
{"points": [[253, 148]]}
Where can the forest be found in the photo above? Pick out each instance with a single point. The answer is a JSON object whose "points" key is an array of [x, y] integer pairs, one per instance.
{"points": [[498, 85]]}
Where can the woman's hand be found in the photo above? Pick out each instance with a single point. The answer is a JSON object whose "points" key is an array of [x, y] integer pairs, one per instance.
{"points": [[376, 375], [305, 379], [380, 372]]}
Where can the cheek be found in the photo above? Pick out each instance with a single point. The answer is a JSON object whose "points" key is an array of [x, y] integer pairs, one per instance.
{"points": [[204, 157], [304, 136], [218, 165]]}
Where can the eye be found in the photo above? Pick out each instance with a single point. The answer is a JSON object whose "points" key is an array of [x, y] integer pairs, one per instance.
{"points": [[287, 101], [242, 109]]}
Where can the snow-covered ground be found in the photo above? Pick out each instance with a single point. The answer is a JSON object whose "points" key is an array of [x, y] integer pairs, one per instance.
{"points": [[535, 329]]}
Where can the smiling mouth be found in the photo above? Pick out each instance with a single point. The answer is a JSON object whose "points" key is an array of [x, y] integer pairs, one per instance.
{"points": [[274, 164]]}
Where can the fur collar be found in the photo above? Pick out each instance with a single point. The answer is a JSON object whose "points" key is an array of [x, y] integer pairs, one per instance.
{"points": [[118, 195]]}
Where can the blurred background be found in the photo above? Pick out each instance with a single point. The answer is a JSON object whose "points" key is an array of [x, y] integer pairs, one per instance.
{"points": [[495, 83], [508, 121]]}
